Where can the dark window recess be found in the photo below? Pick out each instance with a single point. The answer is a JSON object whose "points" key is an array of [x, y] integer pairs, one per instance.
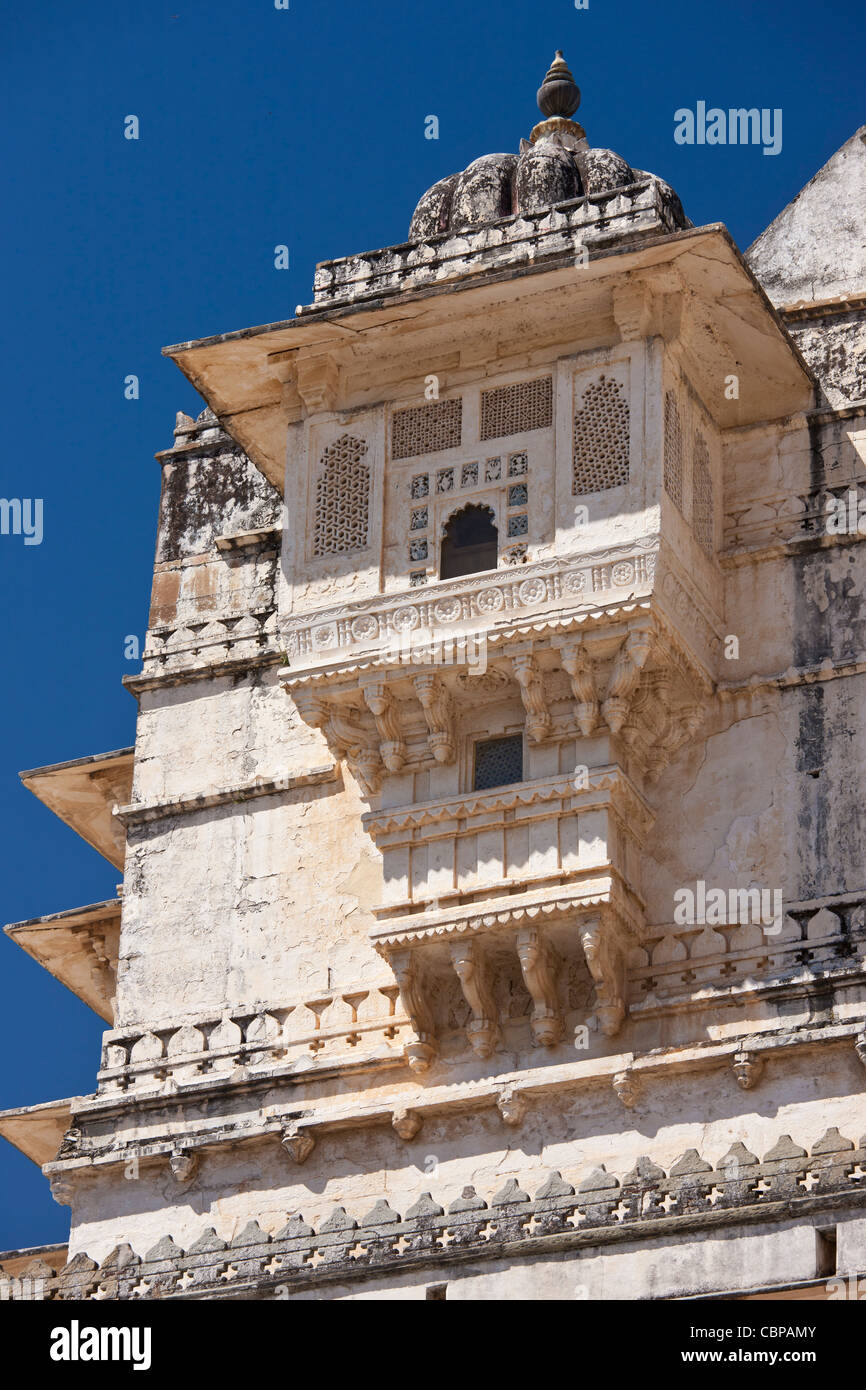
{"points": [[469, 544], [498, 762], [825, 1251], [437, 1293]]}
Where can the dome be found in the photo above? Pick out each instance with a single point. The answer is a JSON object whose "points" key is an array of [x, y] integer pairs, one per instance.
{"points": [[555, 165]]}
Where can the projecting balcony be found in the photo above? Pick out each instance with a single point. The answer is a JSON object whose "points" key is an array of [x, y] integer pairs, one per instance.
{"points": [[539, 871]]}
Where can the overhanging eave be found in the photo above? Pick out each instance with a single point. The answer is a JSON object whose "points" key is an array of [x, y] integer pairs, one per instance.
{"points": [[248, 377], [84, 792], [37, 1130], [79, 948]]}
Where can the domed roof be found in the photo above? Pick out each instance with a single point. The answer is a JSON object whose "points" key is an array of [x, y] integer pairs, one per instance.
{"points": [[555, 165]]}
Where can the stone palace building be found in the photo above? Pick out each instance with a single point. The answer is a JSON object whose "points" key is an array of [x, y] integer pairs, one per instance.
{"points": [[493, 914]]}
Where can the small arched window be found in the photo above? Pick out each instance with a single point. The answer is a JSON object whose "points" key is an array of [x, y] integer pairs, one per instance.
{"points": [[470, 543]]}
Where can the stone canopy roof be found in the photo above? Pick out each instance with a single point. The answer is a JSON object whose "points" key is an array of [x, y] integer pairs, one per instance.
{"points": [[555, 165]]}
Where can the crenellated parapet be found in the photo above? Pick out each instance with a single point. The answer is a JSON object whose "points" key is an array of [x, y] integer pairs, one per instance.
{"points": [[570, 1216]]}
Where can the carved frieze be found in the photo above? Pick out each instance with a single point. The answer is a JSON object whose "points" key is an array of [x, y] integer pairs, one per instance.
{"points": [[377, 626]]}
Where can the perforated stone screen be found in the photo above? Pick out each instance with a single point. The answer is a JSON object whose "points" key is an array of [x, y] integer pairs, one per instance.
{"points": [[702, 495], [673, 451], [601, 430], [425, 429], [341, 522], [498, 762], [525, 405]]}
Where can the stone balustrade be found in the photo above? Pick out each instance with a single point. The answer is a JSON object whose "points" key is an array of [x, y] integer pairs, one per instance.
{"points": [[570, 229], [319, 1030], [688, 960]]}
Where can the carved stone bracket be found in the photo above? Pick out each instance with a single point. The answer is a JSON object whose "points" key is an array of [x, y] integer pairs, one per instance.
{"points": [[298, 1143], [473, 972], [351, 739], [104, 968], [632, 309], [385, 711], [578, 663], [184, 1165], [439, 713], [532, 694], [605, 948], [656, 728], [512, 1106], [860, 1046], [625, 1085], [405, 1122], [625, 676], [538, 963], [346, 735], [318, 381], [747, 1069], [61, 1189], [416, 1002]]}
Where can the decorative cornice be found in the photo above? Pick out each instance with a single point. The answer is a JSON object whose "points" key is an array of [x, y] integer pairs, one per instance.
{"points": [[610, 778], [603, 889], [142, 812], [176, 675]]}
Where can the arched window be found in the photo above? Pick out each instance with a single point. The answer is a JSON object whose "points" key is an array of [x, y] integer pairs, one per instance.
{"points": [[469, 543]]}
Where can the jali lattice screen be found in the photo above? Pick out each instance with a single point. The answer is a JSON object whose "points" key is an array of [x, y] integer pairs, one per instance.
{"points": [[601, 438], [342, 516]]}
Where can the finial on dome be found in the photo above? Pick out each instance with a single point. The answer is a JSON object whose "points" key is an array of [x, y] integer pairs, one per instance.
{"points": [[559, 94]]}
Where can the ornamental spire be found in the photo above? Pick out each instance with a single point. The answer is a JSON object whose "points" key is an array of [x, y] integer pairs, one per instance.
{"points": [[559, 94]]}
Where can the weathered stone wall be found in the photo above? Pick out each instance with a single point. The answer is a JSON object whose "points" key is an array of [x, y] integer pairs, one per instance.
{"points": [[261, 1061]]}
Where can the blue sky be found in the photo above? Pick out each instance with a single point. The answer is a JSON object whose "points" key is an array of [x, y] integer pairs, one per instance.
{"points": [[259, 127]]}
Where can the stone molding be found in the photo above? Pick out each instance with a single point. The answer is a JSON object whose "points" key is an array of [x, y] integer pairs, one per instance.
{"points": [[140, 813], [511, 1094], [603, 779], [786, 519]]}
